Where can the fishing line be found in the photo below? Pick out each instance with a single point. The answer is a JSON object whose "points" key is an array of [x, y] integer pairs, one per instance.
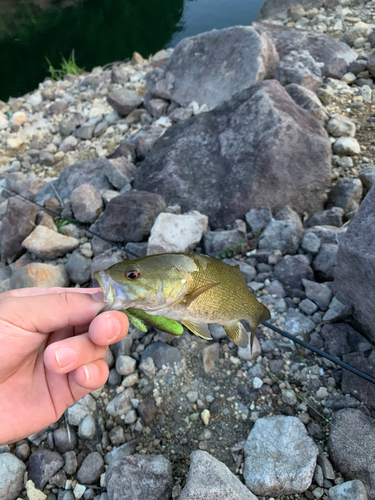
{"points": [[294, 339]]}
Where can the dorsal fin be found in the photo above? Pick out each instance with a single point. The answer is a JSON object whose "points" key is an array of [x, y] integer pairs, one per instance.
{"points": [[200, 329], [193, 295]]}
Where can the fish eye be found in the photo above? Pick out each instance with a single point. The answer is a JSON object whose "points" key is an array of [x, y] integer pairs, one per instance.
{"points": [[132, 274]]}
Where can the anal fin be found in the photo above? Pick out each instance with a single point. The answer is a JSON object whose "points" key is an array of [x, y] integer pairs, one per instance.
{"points": [[199, 328], [236, 332]]}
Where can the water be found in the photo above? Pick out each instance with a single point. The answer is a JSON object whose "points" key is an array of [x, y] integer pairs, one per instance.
{"points": [[100, 31]]}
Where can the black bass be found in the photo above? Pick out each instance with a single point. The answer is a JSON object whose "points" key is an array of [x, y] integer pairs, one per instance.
{"points": [[168, 289]]}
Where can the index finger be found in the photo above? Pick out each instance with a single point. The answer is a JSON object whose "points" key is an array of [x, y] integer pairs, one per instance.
{"points": [[32, 292]]}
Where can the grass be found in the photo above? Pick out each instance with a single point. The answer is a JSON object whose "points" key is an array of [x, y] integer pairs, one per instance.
{"points": [[68, 66]]}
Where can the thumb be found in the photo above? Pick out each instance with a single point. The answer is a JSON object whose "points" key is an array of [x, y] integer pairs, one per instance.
{"points": [[47, 313]]}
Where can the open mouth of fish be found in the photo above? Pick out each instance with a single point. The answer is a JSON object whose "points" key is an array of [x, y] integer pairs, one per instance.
{"points": [[114, 294]]}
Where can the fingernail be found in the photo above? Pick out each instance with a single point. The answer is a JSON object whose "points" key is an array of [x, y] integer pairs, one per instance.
{"points": [[98, 297], [113, 328], [91, 371], [65, 356]]}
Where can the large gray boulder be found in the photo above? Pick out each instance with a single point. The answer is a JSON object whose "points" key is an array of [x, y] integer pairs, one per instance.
{"points": [[259, 149], [335, 55], [354, 276], [211, 67]]}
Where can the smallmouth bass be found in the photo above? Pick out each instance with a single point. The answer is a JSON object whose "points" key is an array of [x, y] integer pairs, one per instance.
{"points": [[192, 289]]}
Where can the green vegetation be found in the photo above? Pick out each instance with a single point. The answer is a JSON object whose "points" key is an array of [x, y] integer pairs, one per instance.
{"points": [[60, 223], [68, 66]]}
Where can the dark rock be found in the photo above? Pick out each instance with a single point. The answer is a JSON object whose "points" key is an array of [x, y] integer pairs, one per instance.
{"points": [[12, 472], [43, 464], [225, 136], [16, 226], [86, 131], [290, 271], [70, 466], [346, 194], [350, 425], [307, 100], [114, 378], [91, 469], [58, 479], [283, 235], [130, 216], [88, 172], [145, 139], [78, 268], [331, 217], [340, 339], [119, 75], [69, 125], [120, 171], [357, 386], [140, 477], [319, 293], [357, 66], [315, 431], [323, 48], [355, 271], [325, 262], [216, 242], [23, 451], [124, 101], [125, 450], [136, 249], [194, 71], [367, 177], [87, 203], [371, 38], [157, 107], [258, 218], [147, 410], [162, 354], [126, 149], [56, 108], [299, 67], [286, 213], [328, 234], [65, 439], [340, 402]]}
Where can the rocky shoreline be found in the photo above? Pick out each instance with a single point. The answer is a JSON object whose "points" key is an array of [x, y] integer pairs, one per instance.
{"points": [[250, 144]]}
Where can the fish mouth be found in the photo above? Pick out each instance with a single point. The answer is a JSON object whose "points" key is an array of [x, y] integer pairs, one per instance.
{"points": [[114, 295]]}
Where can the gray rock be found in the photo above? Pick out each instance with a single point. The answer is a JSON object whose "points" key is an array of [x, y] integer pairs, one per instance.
{"points": [[129, 216], [124, 101], [335, 309], [87, 203], [68, 144], [48, 244], [36, 274], [311, 243], [297, 323], [361, 389], [157, 107], [26, 186], [121, 404], [91, 469], [347, 194], [126, 149], [323, 48], [347, 146], [125, 365], [78, 268], [325, 262], [360, 29], [210, 355], [319, 293], [328, 234], [290, 271], [326, 467], [283, 235], [216, 242], [105, 260], [340, 339], [88, 172], [258, 218], [125, 450], [69, 125], [331, 217], [147, 410], [43, 464], [307, 100], [79, 410], [70, 466], [12, 470], [210, 479], [87, 428], [120, 171], [354, 462], [289, 397], [56, 108], [367, 177], [147, 367], [162, 354], [119, 75], [86, 131], [173, 233], [136, 249], [246, 56], [366, 93], [65, 439], [145, 139], [280, 458], [247, 270], [180, 114], [355, 271], [351, 490], [340, 125], [299, 67], [46, 158], [307, 306], [16, 226], [100, 128], [226, 136]]}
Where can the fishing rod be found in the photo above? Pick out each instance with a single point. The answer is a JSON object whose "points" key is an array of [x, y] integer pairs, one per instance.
{"points": [[294, 339]]}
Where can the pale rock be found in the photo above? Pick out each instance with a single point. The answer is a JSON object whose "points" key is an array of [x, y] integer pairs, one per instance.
{"points": [[205, 416], [41, 275], [19, 118], [176, 233], [35, 99], [79, 410], [300, 68], [210, 355], [350, 490], [12, 471], [47, 244], [347, 146], [348, 78], [87, 203], [340, 125], [33, 493], [360, 29], [14, 142], [4, 122]]}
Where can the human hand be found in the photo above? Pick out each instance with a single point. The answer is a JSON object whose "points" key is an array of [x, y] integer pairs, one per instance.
{"points": [[52, 349]]}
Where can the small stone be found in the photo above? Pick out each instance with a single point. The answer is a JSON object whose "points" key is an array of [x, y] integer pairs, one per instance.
{"points": [[86, 130], [87, 203], [311, 243], [322, 393], [79, 491], [147, 410], [297, 324], [325, 262], [351, 490], [91, 469], [340, 125], [192, 396], [19, 118], [131, 417], [11, 476], [43, 464], [289, 397], [307, 307], [257, 383], [68, 144], [78, 268], [258, 218], [78, 411], [14, 142], [46, 158], [205, 416], [346, 146], [121, 404], [349, 78], [65, 439], [33, 493], [70, 466], [130, 380], [162, 354], [283, 235], [87, 428], [334, 310], [147, 367], [47, 244], [124, 101], [210, 355]]}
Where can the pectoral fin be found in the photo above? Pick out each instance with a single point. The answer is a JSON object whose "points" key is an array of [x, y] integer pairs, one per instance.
{"points": [[237, 333], [200, 329], [193, 295], [164, 324]]}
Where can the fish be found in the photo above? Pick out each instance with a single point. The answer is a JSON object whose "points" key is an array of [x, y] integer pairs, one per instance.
{"points": [[174, 290]]}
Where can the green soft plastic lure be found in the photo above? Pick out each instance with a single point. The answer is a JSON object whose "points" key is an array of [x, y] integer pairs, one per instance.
{"points": [[137, 317]]}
